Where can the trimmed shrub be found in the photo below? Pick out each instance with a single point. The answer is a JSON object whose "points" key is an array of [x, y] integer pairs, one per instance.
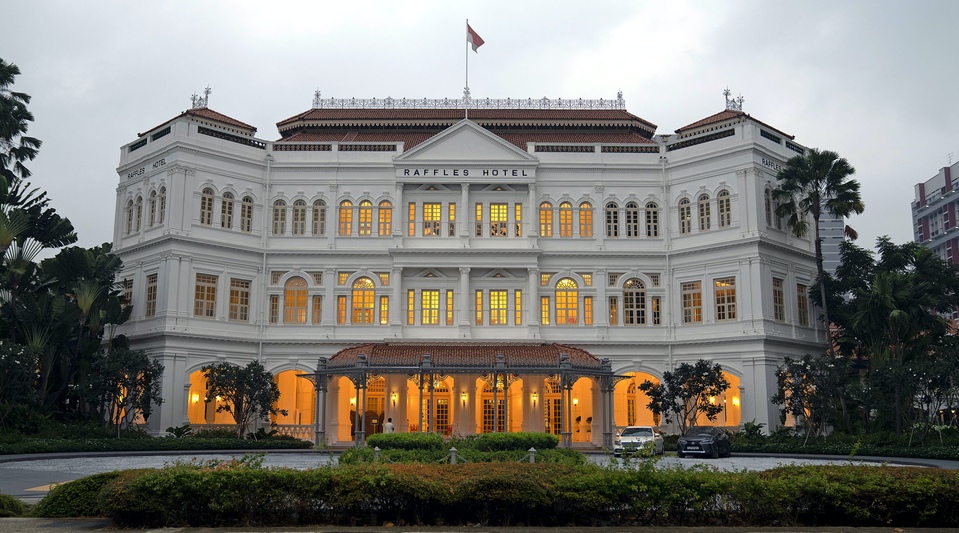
{"points": [[490, 442], [359, 456], [487, 442], [151, 444], [10, 506], [79, 497], [407, 441]]}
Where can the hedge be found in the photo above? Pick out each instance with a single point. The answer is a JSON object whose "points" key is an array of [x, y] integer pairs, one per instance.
{"points": [[366, 455], [10, 506], [847, 448], [152, 444], [487, 442], [499, 494]]}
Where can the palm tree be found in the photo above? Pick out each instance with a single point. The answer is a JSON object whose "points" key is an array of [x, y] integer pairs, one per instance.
{"points": [[814, 184]]}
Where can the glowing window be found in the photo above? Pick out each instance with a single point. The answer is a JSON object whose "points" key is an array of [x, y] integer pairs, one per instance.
{"points": [[346, 218], [385, 219], [545, 219], [363, 307], [567, 302], [365, 217], [294, 301], [585, 219], [565, 219]]}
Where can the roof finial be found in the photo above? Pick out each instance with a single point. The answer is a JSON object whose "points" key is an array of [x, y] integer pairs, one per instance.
{"points": [[201, 101], [733, 104], [317, 96]]}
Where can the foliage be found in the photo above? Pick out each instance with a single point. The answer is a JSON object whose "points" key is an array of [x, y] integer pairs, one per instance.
{"points": [[807, 388], [501, 494], [214, 433], [813, 184], [181, 431], [47, 445], [246, 392], [11, 507], [76, 498], [521, 441], [366, 455], [687, 391], [125, 383]]}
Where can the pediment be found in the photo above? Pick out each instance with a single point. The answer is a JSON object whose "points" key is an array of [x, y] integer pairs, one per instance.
{"points": [[466, 142]]}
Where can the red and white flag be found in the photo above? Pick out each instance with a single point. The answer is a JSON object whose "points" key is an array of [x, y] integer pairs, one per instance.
{"points": [[473, 38]]}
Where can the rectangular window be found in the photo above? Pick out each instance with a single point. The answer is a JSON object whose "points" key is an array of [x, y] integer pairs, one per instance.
{"points": [[544, 310], [779, 308], [518, 307], [657, 316], [452, 220], [294, 303], [588, 310], [384, 278], [654, 279], [274, 308], [128, 292], [432, 215], [613, 311], [430, 307], [246, 213], [498, 308], [204, 303], [384, 310], [343, 277], [317, 309], [544, 279], [151, 296], [412, 215], [276, 276], [519, 220], [239, 300], [692, 302], [479, 308], [652, 222], [479, 220], [411, 307], [613, 279], [725, 299], [341, 309], [803, 302], [498, 220], [585, 220], [587, 279], [317, 278], [449, 307]]}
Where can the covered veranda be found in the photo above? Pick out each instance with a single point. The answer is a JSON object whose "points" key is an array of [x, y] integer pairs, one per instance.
{"points": [[465, 388]]}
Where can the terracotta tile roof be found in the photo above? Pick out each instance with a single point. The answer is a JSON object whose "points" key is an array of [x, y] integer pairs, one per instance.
{"points": [[519, 139], [207, 114], [474, 114], [726, 115], [464, 355]]}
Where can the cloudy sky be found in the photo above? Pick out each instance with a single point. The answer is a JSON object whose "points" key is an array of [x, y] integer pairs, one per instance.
{"points": [[873, 80]]}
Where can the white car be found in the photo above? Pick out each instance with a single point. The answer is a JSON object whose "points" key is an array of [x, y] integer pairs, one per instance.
{"points": [[635, 437]]}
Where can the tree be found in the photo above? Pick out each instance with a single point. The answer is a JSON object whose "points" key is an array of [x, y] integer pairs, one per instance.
{"points": [[686, 392], [812, 184], [246, 392], [124, 384], [808, 388]]}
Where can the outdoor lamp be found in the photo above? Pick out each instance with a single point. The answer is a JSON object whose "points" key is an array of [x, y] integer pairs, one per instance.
{"points": [[575, 401], [196, 398], [393, 398], [712, 399], [352, 401], [736, 400], [534, 397], [463, 399]]}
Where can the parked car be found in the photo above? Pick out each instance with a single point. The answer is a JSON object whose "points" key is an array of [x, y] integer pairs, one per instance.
{"points": [[704, 440], [635, 437]]}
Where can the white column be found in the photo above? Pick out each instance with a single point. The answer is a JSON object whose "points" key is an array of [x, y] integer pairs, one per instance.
{"points": [[466, 214], [465, 297], [396, 279], [533, 291]]}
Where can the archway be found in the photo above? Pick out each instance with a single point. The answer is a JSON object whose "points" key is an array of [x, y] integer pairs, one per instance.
{"points": [[297, 398], [630, 403], [731, 401], [200, 412]]}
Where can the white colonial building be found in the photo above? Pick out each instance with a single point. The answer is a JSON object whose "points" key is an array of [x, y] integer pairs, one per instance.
{"points": [[530, 230]]}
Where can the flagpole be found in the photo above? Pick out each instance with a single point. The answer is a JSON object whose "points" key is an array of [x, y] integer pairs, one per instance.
{"points": [[465, 101]]}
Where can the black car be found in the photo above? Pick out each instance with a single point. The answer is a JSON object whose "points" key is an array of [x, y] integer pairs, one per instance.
{"points": [[710, 441]]}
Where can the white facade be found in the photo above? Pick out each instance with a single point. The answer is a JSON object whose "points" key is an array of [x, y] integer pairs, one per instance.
{"points": [[657, 216]]}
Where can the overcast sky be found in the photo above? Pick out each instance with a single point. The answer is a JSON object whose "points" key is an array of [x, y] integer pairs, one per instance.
{"points": [[875, 81]]}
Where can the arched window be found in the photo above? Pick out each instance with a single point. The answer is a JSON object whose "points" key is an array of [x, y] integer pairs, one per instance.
{"points": [[386, 219], [139, 213], [162, 206], [363, 289], [279, 217], [632, 219], [545, 219], [769, 208], [565, 219], [366, 217], [652, 220], [612, 220], [294, 301], [153, 209], [724, 207], [226, 211], [634, 302], [346, 218], [685, 217], [206, 207], [130, 217], [246, 214], [585, 219], [299, 217], [319, 217], [704, 218], [567, 297]]}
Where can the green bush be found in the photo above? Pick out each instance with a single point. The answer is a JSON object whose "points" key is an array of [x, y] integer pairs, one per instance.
{"points": [[540, 494], [214, 433], [407, 441], [79, 497], [366, 455], [10, 506], [151, 444], [483, 442], [490, 442]]}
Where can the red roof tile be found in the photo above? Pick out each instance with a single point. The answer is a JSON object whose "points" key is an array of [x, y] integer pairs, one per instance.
{"points": [[207, 114], [468, 356], [412, 139], [727, 115]]}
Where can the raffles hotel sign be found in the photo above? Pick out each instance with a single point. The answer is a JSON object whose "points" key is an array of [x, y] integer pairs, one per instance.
{"points": [[470, 173]]}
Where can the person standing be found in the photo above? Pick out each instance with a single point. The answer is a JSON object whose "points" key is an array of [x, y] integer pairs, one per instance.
{"points": [[388, 426]]}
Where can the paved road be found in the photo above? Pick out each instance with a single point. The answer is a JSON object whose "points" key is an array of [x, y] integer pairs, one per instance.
{"points": [[29, 477]]}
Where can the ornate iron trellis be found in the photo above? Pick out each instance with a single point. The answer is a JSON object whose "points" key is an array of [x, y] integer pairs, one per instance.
{"points": [[467, 102], [489, 378]]}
